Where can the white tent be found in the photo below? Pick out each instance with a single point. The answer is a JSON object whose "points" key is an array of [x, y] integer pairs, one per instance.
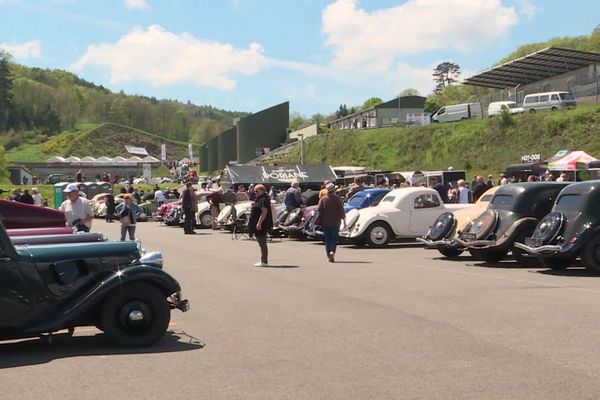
{"points": [[134, 159], [56, 159], [104, 159], [150, 159], [119, 159], [88, 159], [73, 159]]}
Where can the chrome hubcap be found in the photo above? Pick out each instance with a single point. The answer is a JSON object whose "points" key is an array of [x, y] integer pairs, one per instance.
{"points": [[378, 235], [136, 315]]}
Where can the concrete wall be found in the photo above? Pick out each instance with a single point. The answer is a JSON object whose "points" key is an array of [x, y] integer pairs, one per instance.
{"points": [[311, 130], [213, 154], [227, 146], [267, 128]]}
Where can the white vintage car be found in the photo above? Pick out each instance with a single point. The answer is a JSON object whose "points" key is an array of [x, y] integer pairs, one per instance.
{"points": [[403, 213]]}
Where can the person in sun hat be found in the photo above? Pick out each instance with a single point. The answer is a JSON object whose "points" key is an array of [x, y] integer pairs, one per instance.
{"points": [[331, 212], [78, 211]]}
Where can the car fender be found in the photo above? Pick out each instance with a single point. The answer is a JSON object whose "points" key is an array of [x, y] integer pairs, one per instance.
{"points": [[365, 222], [139, 273], [515, 229]]}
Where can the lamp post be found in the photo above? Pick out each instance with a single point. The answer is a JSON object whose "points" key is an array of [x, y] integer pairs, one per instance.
{"points": [[302, 148]]}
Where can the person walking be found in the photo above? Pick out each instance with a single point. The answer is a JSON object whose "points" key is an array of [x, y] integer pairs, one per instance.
{"points": [[38, 200], [78, 211], [261, 222], [331, 212], [215, 199], [127, 212], [187, 203], [109, 200]]}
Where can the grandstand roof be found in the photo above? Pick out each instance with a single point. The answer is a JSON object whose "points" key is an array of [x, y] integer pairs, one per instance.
{"points": [[534, 67]]}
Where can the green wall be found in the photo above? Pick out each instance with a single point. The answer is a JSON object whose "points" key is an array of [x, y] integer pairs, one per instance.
{"points": [[266, 128], [227, 146], [213, 154]]}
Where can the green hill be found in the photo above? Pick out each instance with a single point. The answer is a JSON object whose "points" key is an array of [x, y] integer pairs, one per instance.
{"points": [[93, 140], [479, 146]]}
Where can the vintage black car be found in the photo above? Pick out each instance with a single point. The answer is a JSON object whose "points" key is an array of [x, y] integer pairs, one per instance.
{"points": [[571, 230], [111, 285], [511, 217]]}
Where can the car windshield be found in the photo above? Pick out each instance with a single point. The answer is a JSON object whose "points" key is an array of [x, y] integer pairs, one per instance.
{"points": [[503, 201], [566, 96], [356, 200], [388, 199], [570, 201]]}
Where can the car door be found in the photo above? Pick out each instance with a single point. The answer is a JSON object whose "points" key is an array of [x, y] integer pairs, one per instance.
{"points": [[544, 102], [425, 209], [15, 293]]}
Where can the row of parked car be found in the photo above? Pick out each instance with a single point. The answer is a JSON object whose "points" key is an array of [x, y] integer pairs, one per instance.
{"points": [[55, 279]]}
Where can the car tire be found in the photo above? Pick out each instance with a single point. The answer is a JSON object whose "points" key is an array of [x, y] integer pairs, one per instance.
{"points": [[590, 255], [553, 109], [450, 252], [532, 111], [121, 313], [520, 255], [489, 256], [557, 263], [378, 234], [205, 220]]}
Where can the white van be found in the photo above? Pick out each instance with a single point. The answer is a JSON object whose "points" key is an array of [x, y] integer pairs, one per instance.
{"points": [[548, 101], [458, 112], [496, 107]]}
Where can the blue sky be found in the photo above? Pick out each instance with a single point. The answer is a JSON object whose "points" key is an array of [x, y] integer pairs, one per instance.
{"points": [[247, 55]]}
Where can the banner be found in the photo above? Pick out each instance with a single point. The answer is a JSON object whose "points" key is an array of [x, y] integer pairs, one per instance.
{"points": [[163, 152], [190, 151], [136, 150]]}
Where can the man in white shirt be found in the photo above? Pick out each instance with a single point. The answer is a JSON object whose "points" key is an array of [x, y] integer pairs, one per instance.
{"points": [[159, 197], [78, 211], [464, 194], [38, 200]]}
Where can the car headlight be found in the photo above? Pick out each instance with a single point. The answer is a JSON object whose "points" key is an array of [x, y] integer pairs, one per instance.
{"points": [[154, 259], [141, 250]]}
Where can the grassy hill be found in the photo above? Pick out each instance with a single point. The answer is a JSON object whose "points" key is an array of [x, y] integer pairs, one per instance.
{"points": [[93, 140], [479, 146]]}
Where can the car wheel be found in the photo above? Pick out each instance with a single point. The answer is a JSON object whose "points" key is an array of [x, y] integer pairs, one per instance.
{"points": [[490, 256], [378, 234], [206, 220], [450, 252], [532, 111], [520, 255], [590, 256], [135, 315], [553, 109], [556, 263]]}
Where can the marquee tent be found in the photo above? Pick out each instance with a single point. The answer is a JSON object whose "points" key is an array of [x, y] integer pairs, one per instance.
{"points": [[281, 175], [575, 160]]}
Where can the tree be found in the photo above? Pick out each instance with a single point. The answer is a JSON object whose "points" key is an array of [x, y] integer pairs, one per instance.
{"points": [[371, 102], [5, 91], [409, 92], [445, 74], [342, 111], [296, 120]]}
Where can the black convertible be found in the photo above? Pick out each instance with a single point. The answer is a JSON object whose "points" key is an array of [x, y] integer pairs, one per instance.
{"points": [[110, 285]]}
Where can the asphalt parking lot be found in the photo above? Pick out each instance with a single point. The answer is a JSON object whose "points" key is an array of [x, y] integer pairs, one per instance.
{"points": [[395, 323]]}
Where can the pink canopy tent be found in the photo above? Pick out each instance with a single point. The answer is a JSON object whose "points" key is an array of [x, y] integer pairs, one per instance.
{"points": [[573, 161]]}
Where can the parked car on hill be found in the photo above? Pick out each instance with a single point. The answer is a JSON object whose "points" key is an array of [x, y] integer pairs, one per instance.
{"points": [[511, 217], [21, 215], [548, 101], [496, 108], [110, 285], [403, 213], [446, 229], [570, 231]]}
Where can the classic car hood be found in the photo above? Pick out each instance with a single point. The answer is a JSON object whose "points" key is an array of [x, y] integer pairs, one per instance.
{"points": [[62, 252], [466, 215]]}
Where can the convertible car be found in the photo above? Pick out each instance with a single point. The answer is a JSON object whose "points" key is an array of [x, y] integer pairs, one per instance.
{"points": [[403, 213], [110, 285], [21, 215], [570, 231]]}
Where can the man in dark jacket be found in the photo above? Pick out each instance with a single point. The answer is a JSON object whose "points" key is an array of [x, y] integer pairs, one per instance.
{"points": [[331, 213], [187, 203], [480, 188], [109, 200], [26, 197], [292, 197], [261, 222], [438, 187]]}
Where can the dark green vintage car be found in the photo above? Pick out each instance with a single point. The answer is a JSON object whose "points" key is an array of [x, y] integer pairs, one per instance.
{"points": [[511, 217], [110, 285], [571, 230]]}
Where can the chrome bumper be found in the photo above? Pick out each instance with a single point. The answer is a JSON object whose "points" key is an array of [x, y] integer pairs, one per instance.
{"points": [[175, 301], [441, 244], [547, 249]]}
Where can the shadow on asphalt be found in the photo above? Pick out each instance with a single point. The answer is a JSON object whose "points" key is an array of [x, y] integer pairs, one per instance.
{"points": [[352, 262], [40, 351], [281, 266], [569, 272]]}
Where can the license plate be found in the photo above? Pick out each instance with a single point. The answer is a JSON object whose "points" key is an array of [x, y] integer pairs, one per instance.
{"points": [[468, 237], [531, 242]]}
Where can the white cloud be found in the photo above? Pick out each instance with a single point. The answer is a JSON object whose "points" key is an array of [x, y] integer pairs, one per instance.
{"points": [[235, 4], [20, 51], [374, 40], [162, 58], [136, 4], [527, 9]]}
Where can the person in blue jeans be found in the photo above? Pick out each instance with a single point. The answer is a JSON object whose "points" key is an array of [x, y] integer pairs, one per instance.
{"points": [[127, 212], [331, 214]]}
